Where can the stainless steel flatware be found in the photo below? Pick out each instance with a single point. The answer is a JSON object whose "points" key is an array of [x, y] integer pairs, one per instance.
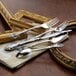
{"points": [[29, 50], [53, 40], [14, 46], [56, 34], [45, 25], [57, 31]]}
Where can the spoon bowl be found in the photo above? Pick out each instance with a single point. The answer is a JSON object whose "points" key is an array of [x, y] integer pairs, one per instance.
{"points": [[54, 40], [29, 50]]}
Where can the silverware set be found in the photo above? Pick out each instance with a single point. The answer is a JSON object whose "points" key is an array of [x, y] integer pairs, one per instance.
{"points": [[53, 34]]}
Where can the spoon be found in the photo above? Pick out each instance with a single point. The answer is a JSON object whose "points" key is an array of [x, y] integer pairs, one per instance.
{"points": [[55, 34], [14, 46], [54, 40], [29, 50], [61, 26]]}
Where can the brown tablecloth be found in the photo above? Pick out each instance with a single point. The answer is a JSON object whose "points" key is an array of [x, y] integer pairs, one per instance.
{"points": [[44, 65]]}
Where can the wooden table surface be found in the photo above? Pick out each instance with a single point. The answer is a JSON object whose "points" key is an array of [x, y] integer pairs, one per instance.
{"points": [[44, 65]]}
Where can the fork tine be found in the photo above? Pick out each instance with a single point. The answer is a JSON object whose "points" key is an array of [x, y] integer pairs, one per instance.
{"points": [[63, 25], [53, 22]]}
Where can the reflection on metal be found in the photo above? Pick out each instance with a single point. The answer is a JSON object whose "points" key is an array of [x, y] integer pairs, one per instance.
{"points": [[14, 20]]}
